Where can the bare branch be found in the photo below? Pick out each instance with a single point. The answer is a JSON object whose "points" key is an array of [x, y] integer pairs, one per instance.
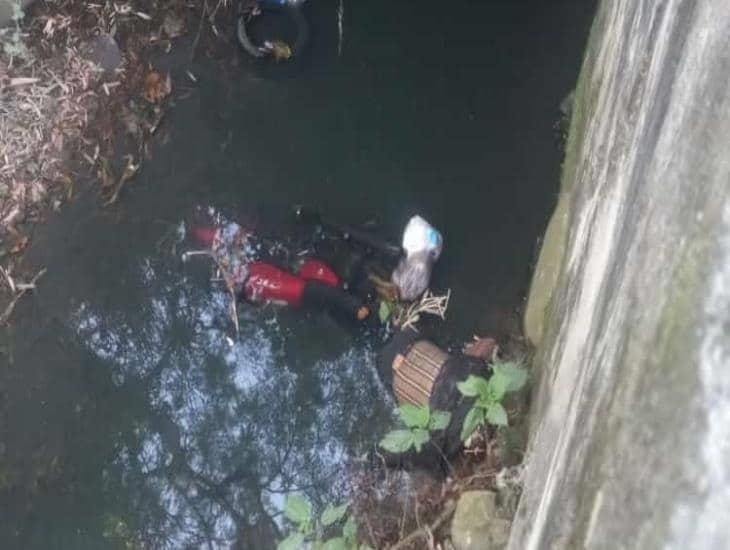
{"points": [[428, 530]]}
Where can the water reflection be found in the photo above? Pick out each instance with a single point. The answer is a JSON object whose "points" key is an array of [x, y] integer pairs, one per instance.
{"points": [[136, 422], [226, 431]]}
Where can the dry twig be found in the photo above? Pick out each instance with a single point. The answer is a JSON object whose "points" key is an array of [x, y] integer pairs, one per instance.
{"points": [[44, 109], [225, 277], [130, 170], [429, 303], [200, 30], [427, 530], [21, 288]]}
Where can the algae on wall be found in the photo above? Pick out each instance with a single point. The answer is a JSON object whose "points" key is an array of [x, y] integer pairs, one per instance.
{"points": [[630, 305]]}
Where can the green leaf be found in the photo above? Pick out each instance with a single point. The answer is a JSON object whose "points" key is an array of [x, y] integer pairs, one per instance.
{"points": [[439, 420], [397, 441], [473, 386], [385, 311], [474, 418], [295, 541], [497, 415], [298, 510], [337, 543], [420, 438], [349, 530], [414, 417], [513, 372], [366, 547], [333, 514], [497, 385]]}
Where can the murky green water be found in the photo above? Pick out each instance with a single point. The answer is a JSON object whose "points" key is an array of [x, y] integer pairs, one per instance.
{"points": [[128, 418]]}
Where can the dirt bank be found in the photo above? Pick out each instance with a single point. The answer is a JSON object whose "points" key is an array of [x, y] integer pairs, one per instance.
{"points": [[79, 102]]}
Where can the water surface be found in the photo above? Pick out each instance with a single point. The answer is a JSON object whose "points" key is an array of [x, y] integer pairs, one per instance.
{"points": [[127, 417]]}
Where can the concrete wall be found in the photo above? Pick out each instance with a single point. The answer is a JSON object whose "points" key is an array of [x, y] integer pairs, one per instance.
{"points": [[630, 305]]}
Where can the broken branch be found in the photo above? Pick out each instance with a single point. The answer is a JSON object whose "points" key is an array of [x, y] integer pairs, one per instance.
{"points": [[22, 289], [428, 530]]}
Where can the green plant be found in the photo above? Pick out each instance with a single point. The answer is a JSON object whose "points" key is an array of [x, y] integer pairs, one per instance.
{"points": [[420, 422], [299, 511], [385, 311], [506, 377]]}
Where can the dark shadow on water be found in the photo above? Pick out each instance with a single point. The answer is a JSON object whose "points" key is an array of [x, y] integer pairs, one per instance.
{"points": [[128, 418]]}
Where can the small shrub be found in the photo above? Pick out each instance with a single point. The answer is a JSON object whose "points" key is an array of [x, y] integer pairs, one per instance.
{"points": [[298, 510], [506, 377], [420, 422]]}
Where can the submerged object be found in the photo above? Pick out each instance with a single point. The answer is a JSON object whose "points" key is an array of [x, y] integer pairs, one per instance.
{"points": [[421, 247], [276, 48], [267, 283], [422, 244], [314, 285], [415, 373], [350, 232]]}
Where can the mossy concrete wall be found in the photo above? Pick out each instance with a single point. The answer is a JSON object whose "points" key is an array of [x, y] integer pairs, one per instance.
{"points": [[630, 304]]}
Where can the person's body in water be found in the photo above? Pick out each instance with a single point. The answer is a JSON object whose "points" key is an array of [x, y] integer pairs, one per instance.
{"points": [[418, 372], [319, 265]]}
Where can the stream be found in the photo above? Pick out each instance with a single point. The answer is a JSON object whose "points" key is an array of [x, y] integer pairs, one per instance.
{"points": [[127, 418]]}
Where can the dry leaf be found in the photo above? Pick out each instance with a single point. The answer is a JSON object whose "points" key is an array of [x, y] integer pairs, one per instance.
{"points": [[156, 88], [20, 245]]}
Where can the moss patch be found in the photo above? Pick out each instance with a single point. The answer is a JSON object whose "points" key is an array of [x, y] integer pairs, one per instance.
{"points": [[550, 261]]}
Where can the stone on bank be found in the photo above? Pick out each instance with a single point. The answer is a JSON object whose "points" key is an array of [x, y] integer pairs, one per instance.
{"points": [[476, 525]]}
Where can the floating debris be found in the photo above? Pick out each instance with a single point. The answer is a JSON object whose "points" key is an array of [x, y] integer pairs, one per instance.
{"points": [[130, 170], [18, 290], [429, 304]]}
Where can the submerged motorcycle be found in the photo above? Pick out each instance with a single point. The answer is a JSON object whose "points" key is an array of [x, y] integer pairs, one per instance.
{"points": [[254, 274]]}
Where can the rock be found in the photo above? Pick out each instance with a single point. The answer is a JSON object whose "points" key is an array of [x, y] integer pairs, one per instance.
{"points": [[104, 51], [509, 489], [476, 526], [483, 348]]}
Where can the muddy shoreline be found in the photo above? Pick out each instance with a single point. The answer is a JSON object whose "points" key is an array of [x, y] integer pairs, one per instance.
{"points": [[82, 103]]}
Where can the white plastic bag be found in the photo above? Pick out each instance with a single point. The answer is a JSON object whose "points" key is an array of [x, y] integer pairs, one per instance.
{"points": [[419, 235], [422, 244]]}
